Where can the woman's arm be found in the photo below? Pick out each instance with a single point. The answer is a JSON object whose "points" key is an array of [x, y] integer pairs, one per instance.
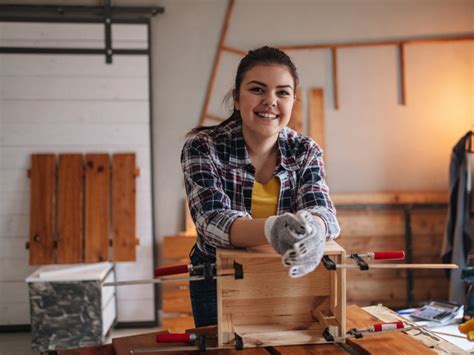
{"points": [[246, 232], [313, 192], [210, 206]]}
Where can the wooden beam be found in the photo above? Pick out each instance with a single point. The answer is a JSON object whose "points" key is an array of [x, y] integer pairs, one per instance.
{"points": [[316, 116], [390, 198], [123, 207], [335, 91], [70, 208], [97, 202], [401, 59], [217, 59], [296, 120], [43, 183]]}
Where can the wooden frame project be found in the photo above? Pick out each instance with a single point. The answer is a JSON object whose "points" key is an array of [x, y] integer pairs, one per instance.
{"points": [[268, 308]]}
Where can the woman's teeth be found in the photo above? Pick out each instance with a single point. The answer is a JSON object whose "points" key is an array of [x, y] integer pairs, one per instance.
{"points": [[269, 116]]}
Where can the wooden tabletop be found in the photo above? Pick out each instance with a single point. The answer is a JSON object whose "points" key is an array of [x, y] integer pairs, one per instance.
{"points": [[395, 343]]}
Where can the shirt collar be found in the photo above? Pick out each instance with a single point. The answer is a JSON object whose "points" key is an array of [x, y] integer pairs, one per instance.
{"points": [[241, 157]]}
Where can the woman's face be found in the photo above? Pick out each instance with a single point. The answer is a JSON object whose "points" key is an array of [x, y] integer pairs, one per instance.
{"points": [[265, 100]]}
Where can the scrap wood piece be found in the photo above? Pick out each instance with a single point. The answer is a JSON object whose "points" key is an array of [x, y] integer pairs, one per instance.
{"points": [[97, 203], [42, 181], [316, 128], [394, 343], [106, 349], [70, 209], [124, 207], [296, 120]]}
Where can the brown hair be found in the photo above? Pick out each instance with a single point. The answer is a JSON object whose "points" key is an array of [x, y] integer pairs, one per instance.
{"points": [[261, 56]]}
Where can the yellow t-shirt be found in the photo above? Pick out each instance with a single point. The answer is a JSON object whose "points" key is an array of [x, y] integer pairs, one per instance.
{"points": [[265, 198]]}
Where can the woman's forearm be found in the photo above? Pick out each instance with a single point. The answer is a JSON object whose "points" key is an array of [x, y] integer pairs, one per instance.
{"points": [[246, 232]]}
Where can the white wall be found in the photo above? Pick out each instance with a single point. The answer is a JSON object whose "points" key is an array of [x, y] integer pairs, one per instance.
{"points": [[373, 144], [63, 103]]}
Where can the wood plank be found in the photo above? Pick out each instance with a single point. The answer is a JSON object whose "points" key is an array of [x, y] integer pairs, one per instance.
{"points": [[43, 180], [316, 128], [70, 208], [124, 207], [390, 343], [106, 349], [390, 198], [189, 227], [268, 302], [319, 349], [296, 120], [380, 223], [97, 208], [177, 324], [177, 247], [176, 300]]}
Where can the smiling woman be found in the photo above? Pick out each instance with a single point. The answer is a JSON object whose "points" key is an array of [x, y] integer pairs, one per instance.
{"points": [[251, 180]]}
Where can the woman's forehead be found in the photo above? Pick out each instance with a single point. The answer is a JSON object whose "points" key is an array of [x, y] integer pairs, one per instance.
{"points": [[269, 74]]}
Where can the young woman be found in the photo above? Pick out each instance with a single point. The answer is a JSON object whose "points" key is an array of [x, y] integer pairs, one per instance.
{"points": [[251, 180]]}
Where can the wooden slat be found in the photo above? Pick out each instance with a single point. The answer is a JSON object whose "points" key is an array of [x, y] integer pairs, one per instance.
{"points": [[177, 248], [42, 174], [176, 300], [390, 198], [316, 116], [296, 120], [123, 207], [177, 324], [267, 301], [124, 345], [97, 211], [390, 343], [70, 208]]}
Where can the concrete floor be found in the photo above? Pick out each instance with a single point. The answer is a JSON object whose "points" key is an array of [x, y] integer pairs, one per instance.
{"points": [[20, 343]]}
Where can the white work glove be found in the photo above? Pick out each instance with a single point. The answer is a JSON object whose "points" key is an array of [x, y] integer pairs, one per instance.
{"points": [[306, 253], [283, 231], [301, 265]]}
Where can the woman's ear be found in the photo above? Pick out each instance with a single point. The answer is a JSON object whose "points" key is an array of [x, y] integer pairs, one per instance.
{"points": [[235, 96]]}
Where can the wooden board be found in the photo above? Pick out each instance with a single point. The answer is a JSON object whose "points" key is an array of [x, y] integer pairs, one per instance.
{"points": [[175, 300], [97, 208], [177, 324], [296, 120], [390, 343], [176, 248], [268, 307], [316, 116], [42, 184], [70, 209], [123, 207]]}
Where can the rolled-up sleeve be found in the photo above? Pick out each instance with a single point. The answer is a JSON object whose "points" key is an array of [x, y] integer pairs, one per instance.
{"points": [[210, 206], [313, 192]]}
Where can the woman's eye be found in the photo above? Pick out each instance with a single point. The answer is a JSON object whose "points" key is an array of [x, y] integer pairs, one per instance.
{"points": [[256, 89], [284, 93]]}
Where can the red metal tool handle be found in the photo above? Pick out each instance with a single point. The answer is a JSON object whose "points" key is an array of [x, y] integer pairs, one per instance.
{"points": [[389, 255], [386, 326], [171, 270], [175, 338]]}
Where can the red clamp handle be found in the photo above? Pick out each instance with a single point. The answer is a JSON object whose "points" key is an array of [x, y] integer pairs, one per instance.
{"points": [[171, 270], [389, 255], [175, 338], [387, 326]]}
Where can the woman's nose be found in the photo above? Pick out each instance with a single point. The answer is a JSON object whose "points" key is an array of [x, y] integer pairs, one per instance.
{"points": [[269, 100]]}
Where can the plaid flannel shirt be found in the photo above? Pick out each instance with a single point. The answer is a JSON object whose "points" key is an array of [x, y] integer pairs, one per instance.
{"points": [[219, 178]]}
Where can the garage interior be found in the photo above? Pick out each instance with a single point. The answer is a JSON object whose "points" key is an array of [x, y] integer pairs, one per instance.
{"points": [[96, 99]]}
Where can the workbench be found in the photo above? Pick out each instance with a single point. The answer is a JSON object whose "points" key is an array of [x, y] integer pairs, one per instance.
{"points": [[415, 342]]}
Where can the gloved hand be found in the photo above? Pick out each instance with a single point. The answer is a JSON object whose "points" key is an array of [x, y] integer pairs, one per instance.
{"points": [[283, 231], [300, 265], [306, 253]]}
